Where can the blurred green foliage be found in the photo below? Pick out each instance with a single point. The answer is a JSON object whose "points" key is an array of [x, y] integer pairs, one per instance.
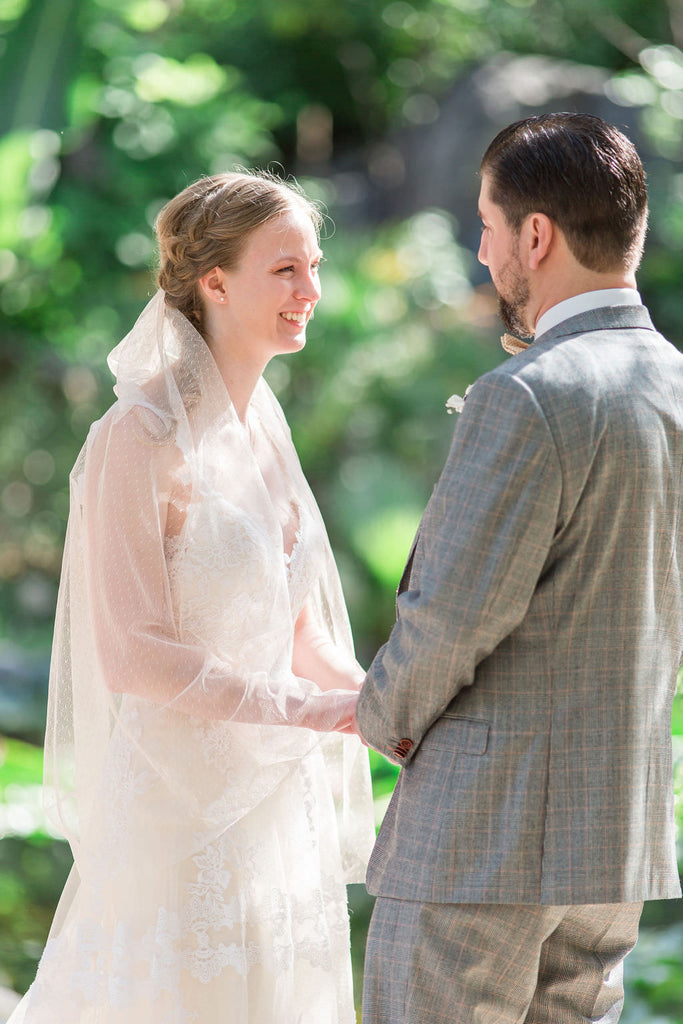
{"points": [[109, 108]]}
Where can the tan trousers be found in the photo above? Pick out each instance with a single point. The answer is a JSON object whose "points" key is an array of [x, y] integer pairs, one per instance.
{"points": [[429, 963]]}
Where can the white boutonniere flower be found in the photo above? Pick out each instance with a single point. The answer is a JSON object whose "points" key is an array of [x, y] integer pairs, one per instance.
{"points": [[456, 403]]}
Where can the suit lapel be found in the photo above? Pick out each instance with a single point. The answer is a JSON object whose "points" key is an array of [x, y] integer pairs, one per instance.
{"points": [[404, 582]]}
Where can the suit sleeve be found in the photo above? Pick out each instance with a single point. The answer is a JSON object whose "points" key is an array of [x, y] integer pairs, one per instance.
{"points": [[483, 542]]}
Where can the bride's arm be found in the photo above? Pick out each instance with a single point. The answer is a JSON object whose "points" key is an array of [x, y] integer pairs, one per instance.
{"points": [[121, 615], [316, 657]]}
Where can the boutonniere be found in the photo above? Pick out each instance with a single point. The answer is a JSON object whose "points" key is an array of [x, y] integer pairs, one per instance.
{"points": [[456, 403]]}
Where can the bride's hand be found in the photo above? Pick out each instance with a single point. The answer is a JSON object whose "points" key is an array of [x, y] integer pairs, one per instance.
{"points": [[346, 702], [314, 656], [330, 711], [353, 730]]}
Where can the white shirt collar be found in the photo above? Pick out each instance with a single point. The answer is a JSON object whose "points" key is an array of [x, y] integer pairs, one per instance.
{"points": [[585, 301]]}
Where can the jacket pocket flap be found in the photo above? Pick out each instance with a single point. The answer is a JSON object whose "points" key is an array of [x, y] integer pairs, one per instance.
{"points": [[467, 735]]}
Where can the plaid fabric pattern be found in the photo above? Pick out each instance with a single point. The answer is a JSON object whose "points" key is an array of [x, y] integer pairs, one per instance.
{"points": [[496, 964], [529, 678]]}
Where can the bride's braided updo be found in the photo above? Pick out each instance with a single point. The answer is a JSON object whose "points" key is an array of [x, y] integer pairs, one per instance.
{"points": [[207, 225]]}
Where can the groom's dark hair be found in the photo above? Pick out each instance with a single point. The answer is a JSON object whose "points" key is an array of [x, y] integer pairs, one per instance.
{"points": [[580, 171]]}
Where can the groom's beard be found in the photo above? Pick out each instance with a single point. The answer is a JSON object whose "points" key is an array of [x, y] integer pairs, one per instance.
{"points": [[511, 313], [513, 296]]}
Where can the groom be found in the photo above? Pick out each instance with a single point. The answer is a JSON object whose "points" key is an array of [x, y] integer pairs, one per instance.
{"points": [[526, 687]]}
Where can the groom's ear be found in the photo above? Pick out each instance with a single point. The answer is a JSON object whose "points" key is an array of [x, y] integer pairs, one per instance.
{"points": [[537, 235]]}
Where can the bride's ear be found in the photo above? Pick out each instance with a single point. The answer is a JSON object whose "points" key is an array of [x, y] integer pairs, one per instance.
{"points": [[213, 286]]}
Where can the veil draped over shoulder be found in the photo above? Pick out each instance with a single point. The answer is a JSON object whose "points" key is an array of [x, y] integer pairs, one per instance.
{"points": [[174, 712]]}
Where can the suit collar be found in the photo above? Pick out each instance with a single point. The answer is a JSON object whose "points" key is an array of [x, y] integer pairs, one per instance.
{"points": [[606, 318], [581, 302]]}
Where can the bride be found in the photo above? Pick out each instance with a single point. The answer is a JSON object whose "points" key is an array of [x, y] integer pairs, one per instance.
{"points": [[199, 754]]}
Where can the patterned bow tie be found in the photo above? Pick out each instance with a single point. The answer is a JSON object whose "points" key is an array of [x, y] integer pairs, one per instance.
{"points": [[513, 345]]}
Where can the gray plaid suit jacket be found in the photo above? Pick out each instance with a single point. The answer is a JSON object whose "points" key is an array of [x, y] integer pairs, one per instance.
{"points": [[527, 684]]}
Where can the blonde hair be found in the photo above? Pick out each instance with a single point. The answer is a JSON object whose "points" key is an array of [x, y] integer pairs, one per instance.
{"points": [[207, 225]]}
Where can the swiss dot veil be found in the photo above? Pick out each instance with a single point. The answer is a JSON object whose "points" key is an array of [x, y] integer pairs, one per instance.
{"points": [[174, 630]]}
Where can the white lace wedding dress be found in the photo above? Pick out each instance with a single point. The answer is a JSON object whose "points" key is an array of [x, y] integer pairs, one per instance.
{"points": [[211, 854]]}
